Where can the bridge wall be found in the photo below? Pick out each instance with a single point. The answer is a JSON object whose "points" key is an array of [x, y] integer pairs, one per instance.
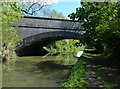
{"points": [[49, 23]]}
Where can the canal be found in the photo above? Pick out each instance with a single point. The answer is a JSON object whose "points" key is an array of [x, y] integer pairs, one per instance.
{"points": [[33, 71]]}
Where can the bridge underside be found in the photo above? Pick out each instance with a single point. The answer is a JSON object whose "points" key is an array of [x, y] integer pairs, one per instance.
{"points": [[33, 45]]}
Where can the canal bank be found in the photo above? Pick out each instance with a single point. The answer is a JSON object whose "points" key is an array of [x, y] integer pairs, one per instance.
{"points": [[91, 72]]}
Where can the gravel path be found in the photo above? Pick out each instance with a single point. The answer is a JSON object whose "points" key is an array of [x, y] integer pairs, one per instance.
{"points": [[112, 76], [92, 78]]}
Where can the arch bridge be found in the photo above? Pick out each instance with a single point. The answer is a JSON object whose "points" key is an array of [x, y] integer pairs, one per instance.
{"points": [[38, 32]]}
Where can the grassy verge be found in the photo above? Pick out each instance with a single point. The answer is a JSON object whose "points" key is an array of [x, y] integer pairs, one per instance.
{"points": [[78, 74]]}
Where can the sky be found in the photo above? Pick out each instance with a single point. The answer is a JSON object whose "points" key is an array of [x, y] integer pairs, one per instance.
{"points": [[66, 8]]}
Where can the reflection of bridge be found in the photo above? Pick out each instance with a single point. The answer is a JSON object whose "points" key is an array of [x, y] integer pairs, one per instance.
{"points": [[37, 32]]}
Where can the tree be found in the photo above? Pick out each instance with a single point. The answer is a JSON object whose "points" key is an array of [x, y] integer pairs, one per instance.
{"points": [[10, 39], [28, 8], [52, 13], [66, 50], [32, 7], [101, 21], [37, 8]]}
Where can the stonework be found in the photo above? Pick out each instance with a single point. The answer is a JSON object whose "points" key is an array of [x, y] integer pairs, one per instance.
{"points": [[37, 32]]}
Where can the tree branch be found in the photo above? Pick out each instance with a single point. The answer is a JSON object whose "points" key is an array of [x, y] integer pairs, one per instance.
{"points": [[27, 11]]}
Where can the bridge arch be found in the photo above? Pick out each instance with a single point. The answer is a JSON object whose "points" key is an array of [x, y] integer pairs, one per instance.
{"points": [[32, 45], [38, 32]]}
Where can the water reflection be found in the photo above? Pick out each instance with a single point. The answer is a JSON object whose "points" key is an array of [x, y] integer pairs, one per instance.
{"points": [[33, 72]]}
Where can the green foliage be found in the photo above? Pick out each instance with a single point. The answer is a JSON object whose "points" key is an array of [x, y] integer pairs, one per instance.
{"points": [[9, 14], [101, 21], [96, 18], [78, 74], [66, 50]]}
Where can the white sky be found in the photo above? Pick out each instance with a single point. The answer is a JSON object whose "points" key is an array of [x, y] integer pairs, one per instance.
{"points": [[41, 1], [48, 1], [68, 0]]}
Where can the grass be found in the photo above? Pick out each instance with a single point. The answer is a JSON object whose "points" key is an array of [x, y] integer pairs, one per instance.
{"points": [[78, 74]]}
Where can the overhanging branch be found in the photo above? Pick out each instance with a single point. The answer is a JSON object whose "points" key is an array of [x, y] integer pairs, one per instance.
{"points": [[27, 11]]}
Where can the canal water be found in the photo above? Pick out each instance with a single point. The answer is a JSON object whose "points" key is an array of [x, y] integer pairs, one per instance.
{"points": [[33, 72]]}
